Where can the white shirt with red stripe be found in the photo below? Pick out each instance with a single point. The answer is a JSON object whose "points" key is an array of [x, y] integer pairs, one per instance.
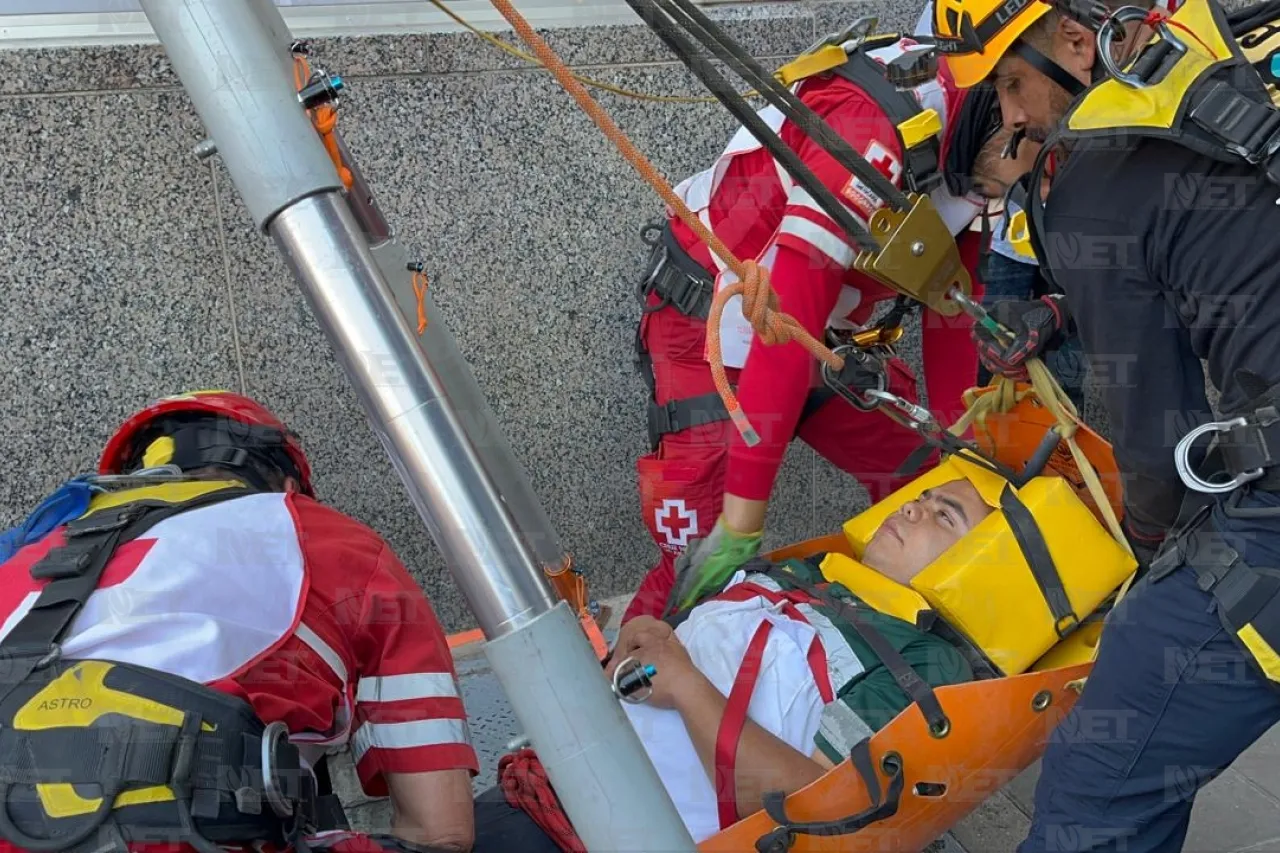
{"points": [[786, 701], [296, 608]]}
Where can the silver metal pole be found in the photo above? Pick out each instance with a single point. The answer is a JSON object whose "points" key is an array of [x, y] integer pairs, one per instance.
{"points": [[231, 67], [227, 58], [457, 379], [402, 394]]}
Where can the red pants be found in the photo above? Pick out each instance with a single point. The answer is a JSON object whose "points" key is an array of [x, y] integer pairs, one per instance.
{"points": [[682, 483]]}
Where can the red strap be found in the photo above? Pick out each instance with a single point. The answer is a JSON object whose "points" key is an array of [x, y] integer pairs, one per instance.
{"points": [[817, 656], [733, 722], [744, 685]]}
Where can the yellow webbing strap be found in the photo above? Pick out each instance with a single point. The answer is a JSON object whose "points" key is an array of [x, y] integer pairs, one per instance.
{"points": [[1046, 389]]}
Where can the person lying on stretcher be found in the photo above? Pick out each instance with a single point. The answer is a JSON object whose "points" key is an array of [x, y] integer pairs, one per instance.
{"points": [[819, 688]]}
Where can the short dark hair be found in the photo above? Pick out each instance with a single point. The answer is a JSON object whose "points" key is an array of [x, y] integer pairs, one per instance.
{"points": [[1040, 34]]}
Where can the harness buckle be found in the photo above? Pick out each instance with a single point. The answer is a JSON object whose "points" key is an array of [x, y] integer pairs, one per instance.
{"points": [[1192, 480], [1245, 127]]}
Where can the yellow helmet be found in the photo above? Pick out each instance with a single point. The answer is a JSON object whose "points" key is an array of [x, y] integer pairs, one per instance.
{"points": [[974, 34]]}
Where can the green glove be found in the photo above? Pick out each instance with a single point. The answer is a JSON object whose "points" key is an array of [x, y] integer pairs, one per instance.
{"points": [[707, 564]]}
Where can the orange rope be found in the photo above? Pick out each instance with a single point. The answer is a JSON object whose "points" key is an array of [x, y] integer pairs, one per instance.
{"points": [[325, 119], [759, 302], [420, 292]]}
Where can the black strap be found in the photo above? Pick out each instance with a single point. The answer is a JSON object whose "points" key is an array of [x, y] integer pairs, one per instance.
{"points": [[677, 279], [254, 453], [99, 535], [666, 17], [923, 167], [1252, 446], [1246, 126], [781, 839], [916, 688], [1040, 561], [1048, 68], [677, 415], [915, 460]]}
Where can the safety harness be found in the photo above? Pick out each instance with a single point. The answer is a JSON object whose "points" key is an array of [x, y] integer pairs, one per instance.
{"points": [[678, 281], [95, 754], [1214, 92], [1210, 86], [1245, 454]]}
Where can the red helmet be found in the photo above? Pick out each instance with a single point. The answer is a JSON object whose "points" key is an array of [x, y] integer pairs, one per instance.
{"points": [[233, 430]]}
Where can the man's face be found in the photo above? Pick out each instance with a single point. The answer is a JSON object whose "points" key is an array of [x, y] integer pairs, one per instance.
{"points": [[916, 535], [1029, 99]]}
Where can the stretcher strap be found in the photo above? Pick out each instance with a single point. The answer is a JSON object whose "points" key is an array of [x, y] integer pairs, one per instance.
{"points": [[733, 722], [1040, 561], [781, 839], [735, 712]]}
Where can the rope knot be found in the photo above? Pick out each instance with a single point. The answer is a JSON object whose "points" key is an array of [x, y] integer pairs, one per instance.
{"points": [[760, 305]]}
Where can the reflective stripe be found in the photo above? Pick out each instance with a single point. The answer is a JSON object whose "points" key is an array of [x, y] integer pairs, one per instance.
{"points": [[414, 685], [320, 647], [842, 729], [820, 238], [408, 735]]}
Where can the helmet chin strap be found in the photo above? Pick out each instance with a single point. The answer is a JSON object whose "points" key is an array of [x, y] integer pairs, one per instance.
{"points": [[1051, 69]]}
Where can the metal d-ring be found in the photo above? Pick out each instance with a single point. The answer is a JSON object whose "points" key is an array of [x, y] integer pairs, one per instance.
{"points": [[1111, 28], [270, 737], [1182, 460]]}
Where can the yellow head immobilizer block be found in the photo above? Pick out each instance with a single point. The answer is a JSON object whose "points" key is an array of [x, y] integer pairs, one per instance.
{"points": [[983, 586]]}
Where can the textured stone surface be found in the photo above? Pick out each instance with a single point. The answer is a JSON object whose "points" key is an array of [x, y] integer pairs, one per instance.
{"points": [[113, 288], [532, 269]]}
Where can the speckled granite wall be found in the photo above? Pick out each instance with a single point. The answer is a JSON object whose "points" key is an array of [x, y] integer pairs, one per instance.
{"points": [[130, 269]]}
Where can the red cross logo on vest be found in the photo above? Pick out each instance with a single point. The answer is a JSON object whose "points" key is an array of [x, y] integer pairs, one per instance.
{"points": [[676, 522], [16, 583], [861, 196], [884, 161]]}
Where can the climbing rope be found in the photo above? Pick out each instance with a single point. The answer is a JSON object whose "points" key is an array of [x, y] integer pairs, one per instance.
{"points": [[760, 304], [525, 786], [586, 81]]}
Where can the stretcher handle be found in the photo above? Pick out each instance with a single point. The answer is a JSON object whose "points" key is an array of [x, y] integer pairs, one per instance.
{"points": [[781, 839]]}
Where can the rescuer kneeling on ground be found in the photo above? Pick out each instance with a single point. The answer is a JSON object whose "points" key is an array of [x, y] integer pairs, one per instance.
{"points": [[198, 630]]}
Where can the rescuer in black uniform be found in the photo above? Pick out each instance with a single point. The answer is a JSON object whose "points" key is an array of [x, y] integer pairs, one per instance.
{"points": [[1163, 238]]}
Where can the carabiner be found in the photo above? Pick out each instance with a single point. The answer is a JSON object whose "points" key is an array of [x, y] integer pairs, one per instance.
{"points": [[1192, 480], [866, 358], [920, 416], [1107, 35]]}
